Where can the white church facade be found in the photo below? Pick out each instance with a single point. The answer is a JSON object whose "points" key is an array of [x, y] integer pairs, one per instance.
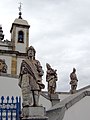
{"points": [[70, 107]]}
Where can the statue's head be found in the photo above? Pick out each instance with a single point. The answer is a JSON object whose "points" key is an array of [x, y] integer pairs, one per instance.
{"points": [[48, 66], [74, 70], [31, 52]]}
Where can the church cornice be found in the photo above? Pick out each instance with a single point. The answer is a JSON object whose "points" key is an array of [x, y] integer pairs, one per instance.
{"points": [[9, 75], [12, 52], [19, 25], [10, 46]]}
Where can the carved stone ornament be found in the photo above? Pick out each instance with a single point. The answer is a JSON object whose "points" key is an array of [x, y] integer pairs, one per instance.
{"points": [[3, 66]]}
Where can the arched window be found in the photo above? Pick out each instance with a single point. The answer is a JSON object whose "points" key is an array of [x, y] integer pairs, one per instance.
{"points": [[21, 37]]}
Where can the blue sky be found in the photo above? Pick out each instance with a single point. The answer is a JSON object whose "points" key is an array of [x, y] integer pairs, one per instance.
{"points": [[60, 33]]}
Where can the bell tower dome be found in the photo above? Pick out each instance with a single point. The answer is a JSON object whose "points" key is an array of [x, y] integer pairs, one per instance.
{"points": [[20, 34]]}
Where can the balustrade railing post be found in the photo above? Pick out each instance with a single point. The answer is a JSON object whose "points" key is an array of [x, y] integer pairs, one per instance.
{"points": [[11, 114], [10, 109], [17, 109], [6, 114], [2, 101], [1, 114]]}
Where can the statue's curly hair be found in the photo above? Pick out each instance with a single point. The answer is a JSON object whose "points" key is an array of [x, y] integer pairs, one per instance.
{"points": [[31, 48]]}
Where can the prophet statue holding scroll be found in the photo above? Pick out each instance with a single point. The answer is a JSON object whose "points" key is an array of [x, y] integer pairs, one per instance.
{"points": [[73, 81], [51, 78], [30, 79]]}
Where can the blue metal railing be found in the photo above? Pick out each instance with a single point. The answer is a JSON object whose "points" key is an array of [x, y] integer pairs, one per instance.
{"points": [[10, 108]]}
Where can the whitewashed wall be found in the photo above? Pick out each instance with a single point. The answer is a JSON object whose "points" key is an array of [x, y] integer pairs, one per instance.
{"points": [[9, 86], [3, 46], [79, 111]]}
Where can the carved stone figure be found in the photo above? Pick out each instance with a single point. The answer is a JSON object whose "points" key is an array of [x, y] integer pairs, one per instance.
{"points": [[51, 78], [1, 33], [30, 79], [73, 81], [3, 66]]}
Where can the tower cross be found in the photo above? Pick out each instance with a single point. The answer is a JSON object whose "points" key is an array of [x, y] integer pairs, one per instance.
{"points": [[20, 7]]}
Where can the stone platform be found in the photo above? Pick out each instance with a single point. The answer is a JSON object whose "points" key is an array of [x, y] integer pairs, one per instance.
{"points": [[36, 118], [54, 99], [34, 113]]}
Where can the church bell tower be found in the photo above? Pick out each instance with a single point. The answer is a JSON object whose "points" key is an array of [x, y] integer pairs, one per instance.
{"points": [[20, 34]]}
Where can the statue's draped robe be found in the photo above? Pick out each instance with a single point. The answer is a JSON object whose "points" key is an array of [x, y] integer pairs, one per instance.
{"points": [[51, 78], [73, 82], [73, 79], [29, 80]]}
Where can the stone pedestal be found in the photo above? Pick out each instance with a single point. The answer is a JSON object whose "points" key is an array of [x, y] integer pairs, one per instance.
{"points": [[54, 99], [34, 113], [36, 118], [73, 91]]}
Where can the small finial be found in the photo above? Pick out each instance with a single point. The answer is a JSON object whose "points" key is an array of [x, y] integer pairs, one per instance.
{"points": [[20, 8]]}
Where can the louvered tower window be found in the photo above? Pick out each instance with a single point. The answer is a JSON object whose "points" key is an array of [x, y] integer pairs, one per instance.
{"points": [[21, 37]]}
